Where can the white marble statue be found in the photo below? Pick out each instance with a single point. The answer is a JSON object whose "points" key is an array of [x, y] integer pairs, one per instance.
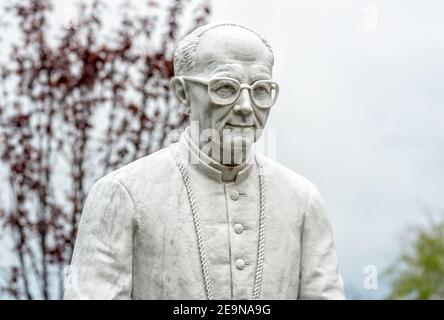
{"points": [[209, 217]]}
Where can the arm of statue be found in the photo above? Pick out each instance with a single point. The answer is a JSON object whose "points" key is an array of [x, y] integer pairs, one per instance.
{"points": [[320, 278], [101, 266]]}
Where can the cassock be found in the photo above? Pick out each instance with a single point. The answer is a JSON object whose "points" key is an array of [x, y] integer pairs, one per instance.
{"points": [[137, 238]]}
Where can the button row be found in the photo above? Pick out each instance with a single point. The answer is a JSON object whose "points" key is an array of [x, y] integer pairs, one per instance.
{"points": [[238, 228]]}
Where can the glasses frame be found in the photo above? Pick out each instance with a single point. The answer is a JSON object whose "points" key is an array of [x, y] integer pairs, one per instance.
{"points": [[241, 86]]}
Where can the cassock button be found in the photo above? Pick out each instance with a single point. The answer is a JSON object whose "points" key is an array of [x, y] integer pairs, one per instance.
{"points": [[240, 264], [234, 195], [238, 228]]}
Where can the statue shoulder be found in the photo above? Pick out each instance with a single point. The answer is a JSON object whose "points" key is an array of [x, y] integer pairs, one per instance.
{"points": [[152, 168]]}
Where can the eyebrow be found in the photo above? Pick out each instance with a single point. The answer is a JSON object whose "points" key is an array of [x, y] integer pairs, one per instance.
{"points": [[232, 71], [260, 76], [226, 68]]}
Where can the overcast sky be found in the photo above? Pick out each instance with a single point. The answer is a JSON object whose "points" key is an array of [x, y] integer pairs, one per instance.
{"points": [[360, 113]]}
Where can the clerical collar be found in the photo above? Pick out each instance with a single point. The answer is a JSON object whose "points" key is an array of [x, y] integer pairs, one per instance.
{"points": [[191, 154]]}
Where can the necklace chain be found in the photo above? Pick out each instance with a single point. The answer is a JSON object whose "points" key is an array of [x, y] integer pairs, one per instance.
{"points": [[200, 237]]}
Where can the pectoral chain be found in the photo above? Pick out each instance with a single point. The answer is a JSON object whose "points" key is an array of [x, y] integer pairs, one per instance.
{"points": [[200, 236]]}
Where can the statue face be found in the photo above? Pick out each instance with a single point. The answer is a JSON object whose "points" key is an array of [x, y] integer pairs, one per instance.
{"points": [[232, 52]]}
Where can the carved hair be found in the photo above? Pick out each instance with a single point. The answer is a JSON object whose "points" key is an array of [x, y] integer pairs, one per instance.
{"points": [[185, 54]]}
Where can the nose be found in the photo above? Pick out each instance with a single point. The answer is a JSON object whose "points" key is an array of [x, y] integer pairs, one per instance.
{"points": [[243, 103]]}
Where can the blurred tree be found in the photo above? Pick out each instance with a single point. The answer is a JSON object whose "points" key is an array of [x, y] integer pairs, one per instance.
{"points": [[72, 108], [419, 271]]}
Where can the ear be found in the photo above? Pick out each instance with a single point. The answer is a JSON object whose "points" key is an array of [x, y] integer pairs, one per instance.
{"points": [[180, 91]]}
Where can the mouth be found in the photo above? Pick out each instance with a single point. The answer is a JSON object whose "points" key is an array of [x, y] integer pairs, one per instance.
{"points": [[241, 126]]}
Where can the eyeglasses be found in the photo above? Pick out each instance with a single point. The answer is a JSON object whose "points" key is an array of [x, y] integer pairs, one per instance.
{"points": [[225, 91]]}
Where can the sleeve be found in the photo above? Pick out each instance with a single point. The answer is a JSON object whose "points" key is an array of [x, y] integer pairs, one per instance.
{"points": [[319, 277], [101, 266]]}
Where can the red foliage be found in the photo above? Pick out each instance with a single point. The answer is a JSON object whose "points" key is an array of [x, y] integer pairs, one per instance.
{"points": [[71, 110]]}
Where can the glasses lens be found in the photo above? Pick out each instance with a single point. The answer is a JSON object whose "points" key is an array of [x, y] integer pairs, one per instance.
{"points": [[264, 93], [223, 91]]}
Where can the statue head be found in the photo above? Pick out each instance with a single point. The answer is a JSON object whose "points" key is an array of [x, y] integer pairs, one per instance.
{"points": [[223, 77]]}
